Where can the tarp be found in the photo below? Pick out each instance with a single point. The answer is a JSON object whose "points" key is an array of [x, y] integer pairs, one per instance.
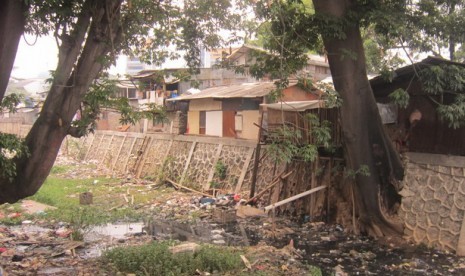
{"points": [[295, 106]]}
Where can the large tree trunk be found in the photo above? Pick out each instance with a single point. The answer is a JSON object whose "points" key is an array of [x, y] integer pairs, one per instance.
{"points": [[12, 20], [365, 141], [77, 68]]}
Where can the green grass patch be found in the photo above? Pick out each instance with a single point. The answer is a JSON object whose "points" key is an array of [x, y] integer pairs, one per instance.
{"points": [[57, 169], [156, 259], [64, 194]]}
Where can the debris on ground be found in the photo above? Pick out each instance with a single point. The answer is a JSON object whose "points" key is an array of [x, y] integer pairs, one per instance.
{"points": [[272, 245]]}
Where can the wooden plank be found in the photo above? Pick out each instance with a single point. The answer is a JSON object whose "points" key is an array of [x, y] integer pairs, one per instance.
{"points": [[328, 191], [177, 185], [206, 186], [229, 128], [244, 170], [188, 161], [292, 198], [257, 159], [313, 184]]}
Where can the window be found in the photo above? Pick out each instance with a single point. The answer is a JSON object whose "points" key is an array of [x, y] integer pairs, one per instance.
{"points": [[131, 93], [202, 122], [238, 121]]}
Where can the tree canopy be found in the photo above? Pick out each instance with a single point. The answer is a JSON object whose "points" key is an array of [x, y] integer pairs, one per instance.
{"points": [[90, 34]]}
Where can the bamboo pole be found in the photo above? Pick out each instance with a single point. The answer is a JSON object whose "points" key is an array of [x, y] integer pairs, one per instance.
{"points": [[186, 188], [292, 198]]}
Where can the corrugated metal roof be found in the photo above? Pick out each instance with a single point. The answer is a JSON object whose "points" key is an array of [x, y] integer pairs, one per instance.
{"points": [[244, 90], [167, 78], [126, 84]]}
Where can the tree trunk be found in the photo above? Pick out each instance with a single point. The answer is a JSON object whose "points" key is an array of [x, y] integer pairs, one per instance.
{"points": [[77, 67], [12, 20], [365, 141]]}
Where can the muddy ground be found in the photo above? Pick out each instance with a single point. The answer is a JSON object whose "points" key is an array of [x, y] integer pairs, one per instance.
{"points": [[274, 246]]}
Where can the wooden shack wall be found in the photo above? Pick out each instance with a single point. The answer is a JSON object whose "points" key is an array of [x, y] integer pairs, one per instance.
{"points": [[429, 135]]}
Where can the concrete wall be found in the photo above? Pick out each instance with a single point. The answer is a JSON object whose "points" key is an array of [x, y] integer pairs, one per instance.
{"points": [[433, 200], [249, 130], [189, 160]]}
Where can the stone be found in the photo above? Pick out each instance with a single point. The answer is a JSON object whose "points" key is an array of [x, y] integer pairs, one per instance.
{"points": [[426, 193], [432, 233], [435, 182], [422, 220], [433, 219], [406, 193], [419, 234], [431, 206], [451, 186], [441, 194], [456, 214], [410, 220], [418, 206], [459, 201], [443, 211], [86, 198]]}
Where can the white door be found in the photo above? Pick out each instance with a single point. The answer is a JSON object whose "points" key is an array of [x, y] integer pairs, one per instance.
{"points": [[214, 123]]}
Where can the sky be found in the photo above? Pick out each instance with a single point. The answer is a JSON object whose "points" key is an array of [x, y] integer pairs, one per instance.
{"points": [[37, 56], [36, 60]]}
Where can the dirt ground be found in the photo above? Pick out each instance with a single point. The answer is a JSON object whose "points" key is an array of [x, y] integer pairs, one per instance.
{"points": [[273, 246]]}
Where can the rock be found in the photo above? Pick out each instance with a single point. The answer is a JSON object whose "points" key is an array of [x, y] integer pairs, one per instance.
{"points": [[248, 211], [222, 242], [217, 237], [86, 198], [339, 272]]}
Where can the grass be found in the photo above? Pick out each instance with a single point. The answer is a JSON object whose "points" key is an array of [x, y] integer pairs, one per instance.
{"points": [[156, 259], [108, 205]]}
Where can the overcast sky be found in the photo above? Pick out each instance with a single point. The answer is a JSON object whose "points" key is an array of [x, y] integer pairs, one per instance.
{"points": [[36, 60], [37, 56]]}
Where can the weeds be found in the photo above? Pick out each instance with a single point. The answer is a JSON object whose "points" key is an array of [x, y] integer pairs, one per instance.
{"points": [[220, 170], [156, 259]]}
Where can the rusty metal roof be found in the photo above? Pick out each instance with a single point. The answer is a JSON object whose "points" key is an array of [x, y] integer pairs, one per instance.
{"points": [[244, 90]]}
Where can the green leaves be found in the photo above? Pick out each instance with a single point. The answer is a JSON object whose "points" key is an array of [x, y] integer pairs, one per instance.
{"points": [[103, 96], [287, 143], [11, 148], [400, 97], [9, 102], [454, 114]]}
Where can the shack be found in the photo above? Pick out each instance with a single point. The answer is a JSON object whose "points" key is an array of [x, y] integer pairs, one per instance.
{"points": [[418, 127], [234, 110]]}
